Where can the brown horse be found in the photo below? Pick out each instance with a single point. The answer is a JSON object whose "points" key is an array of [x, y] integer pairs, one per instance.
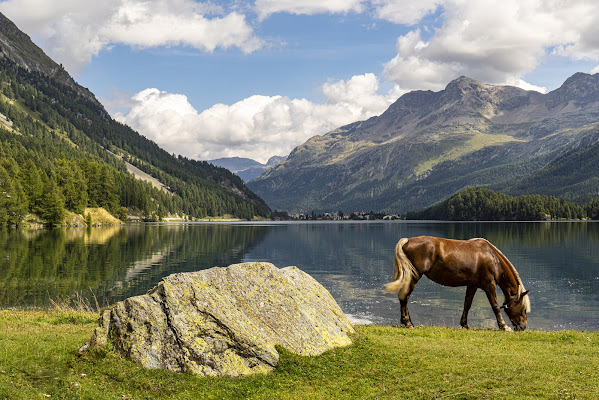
{"points": [[473, 263]]}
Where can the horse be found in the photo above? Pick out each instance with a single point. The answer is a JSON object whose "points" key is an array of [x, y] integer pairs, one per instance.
{"points": [[474, 263]]}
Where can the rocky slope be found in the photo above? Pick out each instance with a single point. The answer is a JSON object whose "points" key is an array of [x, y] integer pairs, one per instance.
{"points": [[428, 145], [17, 46]]}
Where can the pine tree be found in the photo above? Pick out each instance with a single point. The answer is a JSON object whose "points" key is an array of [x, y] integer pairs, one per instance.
{"points": [[592, 209], [73, 184], [32, 185], [108, 195], [13, 203], [52, 204]]}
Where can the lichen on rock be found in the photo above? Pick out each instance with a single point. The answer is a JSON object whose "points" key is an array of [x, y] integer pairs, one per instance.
{"points": [[225, 321]]}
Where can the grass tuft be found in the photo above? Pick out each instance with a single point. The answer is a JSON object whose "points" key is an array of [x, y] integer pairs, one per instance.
{"points": [[76, 303]]}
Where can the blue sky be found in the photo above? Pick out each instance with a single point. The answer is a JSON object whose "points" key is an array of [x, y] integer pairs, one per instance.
{"points": [[305, 52], [257, 78]]}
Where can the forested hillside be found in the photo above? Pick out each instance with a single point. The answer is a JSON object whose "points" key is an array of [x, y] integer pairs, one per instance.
{"points": [[59, 148], [479, 204]]}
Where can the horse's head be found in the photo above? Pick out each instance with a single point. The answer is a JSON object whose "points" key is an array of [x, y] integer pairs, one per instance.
{"points": [[516, 310]]}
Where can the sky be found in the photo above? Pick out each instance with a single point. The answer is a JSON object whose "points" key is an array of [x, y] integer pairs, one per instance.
{"points": [[256, 78]]}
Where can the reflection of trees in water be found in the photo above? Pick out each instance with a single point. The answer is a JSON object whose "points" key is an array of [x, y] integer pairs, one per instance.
{"points": [[352, 260], [574, 246], [528, 234], [36, 266], [180, 248], [363, 252]]}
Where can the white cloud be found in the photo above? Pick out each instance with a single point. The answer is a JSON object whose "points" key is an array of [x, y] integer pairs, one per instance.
{"points": [[406, 12], [495, 41], [264, 8], [397, 11], [257, 127], [522, 84], [73, 31], [595, 70], [359, 94]]}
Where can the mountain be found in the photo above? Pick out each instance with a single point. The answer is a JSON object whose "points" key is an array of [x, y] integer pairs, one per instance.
{"points": [[274, 160], [18, 47], [60, 150], [428, 145], [246, 168]]}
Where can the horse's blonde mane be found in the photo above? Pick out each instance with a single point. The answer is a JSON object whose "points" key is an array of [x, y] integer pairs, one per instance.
{"points": [[521, 288], [403, 272]]}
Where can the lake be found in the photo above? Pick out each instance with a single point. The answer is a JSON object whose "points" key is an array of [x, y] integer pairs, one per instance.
{"points": [[557, 261]]}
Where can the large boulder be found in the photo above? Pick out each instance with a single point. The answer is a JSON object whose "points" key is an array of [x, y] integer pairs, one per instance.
{"points": [[225, 321]]}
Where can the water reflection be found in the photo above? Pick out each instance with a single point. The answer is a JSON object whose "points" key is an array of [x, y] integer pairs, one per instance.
{"points": [[110, 263], [558, 262]]}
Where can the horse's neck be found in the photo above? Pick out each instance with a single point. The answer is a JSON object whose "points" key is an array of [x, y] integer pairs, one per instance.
{"points": [[508, 283]]}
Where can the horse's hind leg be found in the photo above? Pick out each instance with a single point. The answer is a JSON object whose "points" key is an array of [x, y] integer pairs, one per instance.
{"points": [[470, 291], [405, 314]]}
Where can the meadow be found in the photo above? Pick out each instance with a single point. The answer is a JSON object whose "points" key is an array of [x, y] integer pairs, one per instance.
{"points": [[38, 360]]}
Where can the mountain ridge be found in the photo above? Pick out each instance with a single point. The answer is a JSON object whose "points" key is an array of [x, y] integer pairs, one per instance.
{"points": [[18, 46], [395, 161]]}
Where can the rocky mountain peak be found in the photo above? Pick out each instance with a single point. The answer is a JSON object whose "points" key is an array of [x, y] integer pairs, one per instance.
{"points": [[580, 87], [582, 79], [463, 82], [467, 88], [18, 47]]}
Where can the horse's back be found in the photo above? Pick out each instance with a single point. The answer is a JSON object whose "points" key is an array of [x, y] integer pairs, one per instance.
{"points": [[452, 262]]}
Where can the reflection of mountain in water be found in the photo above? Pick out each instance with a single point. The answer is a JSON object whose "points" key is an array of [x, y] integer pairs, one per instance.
{"points": [[366, 249], [51, 264], [558, 261]]}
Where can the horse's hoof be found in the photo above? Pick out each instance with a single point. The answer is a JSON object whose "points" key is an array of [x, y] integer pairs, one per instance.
{"points": [[465, 327], [507, 329]]}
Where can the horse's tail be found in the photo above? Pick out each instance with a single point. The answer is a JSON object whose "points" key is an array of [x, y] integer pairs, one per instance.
{"points": [[403, 272], [521, 288]]}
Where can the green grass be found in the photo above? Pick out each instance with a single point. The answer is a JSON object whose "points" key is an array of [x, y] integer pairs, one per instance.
{"points": [[38, 360]]}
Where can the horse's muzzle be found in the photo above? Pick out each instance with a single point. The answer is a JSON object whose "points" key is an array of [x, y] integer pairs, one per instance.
{"points": [[520, 327]]}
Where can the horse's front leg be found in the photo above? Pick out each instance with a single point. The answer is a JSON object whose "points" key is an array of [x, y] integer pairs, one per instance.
{"points": [[470, 291], [405, 314], [491, 292]]}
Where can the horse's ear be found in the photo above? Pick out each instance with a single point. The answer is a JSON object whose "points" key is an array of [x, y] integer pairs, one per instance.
{"points": [[524, 294]]}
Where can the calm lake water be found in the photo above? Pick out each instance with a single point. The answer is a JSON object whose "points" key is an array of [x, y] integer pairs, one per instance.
{"points": [[558, 262]]}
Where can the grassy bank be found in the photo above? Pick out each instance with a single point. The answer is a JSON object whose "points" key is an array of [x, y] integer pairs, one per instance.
{"points": [[38, 360]]}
